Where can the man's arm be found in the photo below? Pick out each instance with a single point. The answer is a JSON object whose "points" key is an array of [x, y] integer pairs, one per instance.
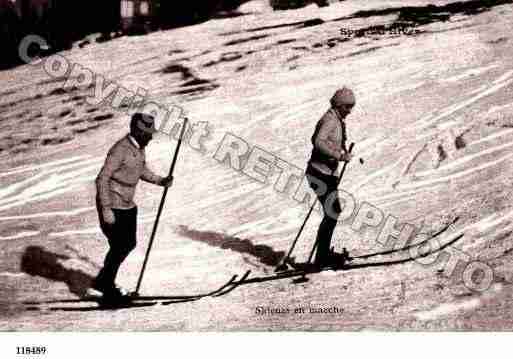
{"points": [[151, 177], [112, 163]]}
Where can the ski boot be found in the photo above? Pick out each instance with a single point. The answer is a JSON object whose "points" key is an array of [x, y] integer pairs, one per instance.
{"points": [[338, 260]]}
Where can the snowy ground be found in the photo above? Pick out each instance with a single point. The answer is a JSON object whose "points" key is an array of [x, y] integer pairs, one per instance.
{"points": [[433, 123]]}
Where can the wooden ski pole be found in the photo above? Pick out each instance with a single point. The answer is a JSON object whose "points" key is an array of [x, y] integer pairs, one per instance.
{"points": [[161, 206], [283, 263]]}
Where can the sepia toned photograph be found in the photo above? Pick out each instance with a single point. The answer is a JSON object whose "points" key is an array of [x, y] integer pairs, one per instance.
{"points": [[255, 166]]}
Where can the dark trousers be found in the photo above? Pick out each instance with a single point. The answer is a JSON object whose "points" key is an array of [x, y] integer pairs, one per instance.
{"points": [[122, 236], [325, 187]]}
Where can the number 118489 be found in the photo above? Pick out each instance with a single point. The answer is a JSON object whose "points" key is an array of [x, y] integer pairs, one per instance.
{"points": [[31, 350]]}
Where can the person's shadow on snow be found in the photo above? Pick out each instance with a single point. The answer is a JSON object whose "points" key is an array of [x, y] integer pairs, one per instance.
{"points": [[37, 261], [262, 252]]}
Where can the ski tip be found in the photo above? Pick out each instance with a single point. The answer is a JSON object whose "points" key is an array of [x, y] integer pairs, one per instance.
{"points": [[243, 277], [281, 267]]}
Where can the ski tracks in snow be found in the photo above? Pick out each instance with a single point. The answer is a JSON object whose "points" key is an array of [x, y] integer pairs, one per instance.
{"points": [[25, 186], [46, 181], [403, 183]]}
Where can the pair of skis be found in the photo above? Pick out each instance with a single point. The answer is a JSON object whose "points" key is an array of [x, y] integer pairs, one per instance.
{"points": [[101, 303]]}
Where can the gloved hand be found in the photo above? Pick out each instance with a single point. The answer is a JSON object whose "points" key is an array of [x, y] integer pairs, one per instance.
{"points": [[167, 181], [345, 156], [108, 216]]}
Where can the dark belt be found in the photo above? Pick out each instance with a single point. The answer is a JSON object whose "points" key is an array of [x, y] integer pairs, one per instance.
{"points": [[123, 183], [321, 158]]}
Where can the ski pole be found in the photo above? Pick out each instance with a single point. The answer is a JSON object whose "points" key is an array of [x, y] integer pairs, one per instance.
{"points": [[283, 265], [338, 183], [161, 206]]}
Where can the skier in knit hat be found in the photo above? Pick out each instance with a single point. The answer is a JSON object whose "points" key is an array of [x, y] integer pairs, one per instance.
{"points": [[329, 148]]}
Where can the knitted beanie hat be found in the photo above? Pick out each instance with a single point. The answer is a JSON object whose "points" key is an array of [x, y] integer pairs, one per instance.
{"points": [[343, 96]]}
